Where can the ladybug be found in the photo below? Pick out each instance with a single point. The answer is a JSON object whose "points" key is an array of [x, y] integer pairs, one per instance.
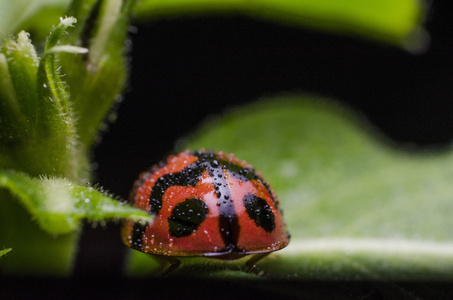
{"points": [[205, 203]]}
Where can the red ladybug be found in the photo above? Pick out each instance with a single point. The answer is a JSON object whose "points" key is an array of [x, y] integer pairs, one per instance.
{"points": [[205, 203]]}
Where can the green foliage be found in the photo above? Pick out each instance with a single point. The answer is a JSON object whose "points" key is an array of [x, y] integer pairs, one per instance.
{"points": [[4, 251], [38, 113], [52, 106], [393, 21], [356, 207], [20, 15], [397, 22], [58, 205]]}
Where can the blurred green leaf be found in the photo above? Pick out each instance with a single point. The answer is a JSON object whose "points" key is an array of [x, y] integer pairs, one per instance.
{"points": [[393, 21], [35, 251], [4, 251], [356, 206], [397, 22], [58, 205], [39, 15]]}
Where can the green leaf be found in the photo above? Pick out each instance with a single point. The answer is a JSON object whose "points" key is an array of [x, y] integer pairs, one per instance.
{"points": [[18, 97], [96, 80], [398, 22], [58, 205], [36, 252], [44, 235], [18, 14], [356, 206], [37, 133], [23, 66], [393, 21], [4, 251]]}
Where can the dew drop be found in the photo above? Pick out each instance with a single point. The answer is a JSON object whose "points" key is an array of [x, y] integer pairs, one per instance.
{"points": [[215, 164]]}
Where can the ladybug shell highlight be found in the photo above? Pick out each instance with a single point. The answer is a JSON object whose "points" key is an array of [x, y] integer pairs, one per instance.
{"points": [[205, 204]]}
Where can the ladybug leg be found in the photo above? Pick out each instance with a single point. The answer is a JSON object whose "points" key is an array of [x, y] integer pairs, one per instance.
{"points": [[163, 260], [251, 264]]}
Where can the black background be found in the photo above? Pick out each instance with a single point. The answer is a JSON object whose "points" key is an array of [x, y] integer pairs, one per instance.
{"points": [[186, 69]]}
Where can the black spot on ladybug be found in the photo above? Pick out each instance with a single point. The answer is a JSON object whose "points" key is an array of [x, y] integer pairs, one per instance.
{"points": [[229, 230], [137, 235], [260, 212], [187, 177], [186, 217]]}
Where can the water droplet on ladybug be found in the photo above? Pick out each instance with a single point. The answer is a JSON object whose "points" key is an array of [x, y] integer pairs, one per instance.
{"points": [[215, 164]]}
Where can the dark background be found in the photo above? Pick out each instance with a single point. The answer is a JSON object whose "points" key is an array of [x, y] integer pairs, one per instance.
{"points": [[186, 69]]}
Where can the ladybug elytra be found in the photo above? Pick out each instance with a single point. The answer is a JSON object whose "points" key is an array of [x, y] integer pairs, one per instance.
{"points": [[205, 203]]}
